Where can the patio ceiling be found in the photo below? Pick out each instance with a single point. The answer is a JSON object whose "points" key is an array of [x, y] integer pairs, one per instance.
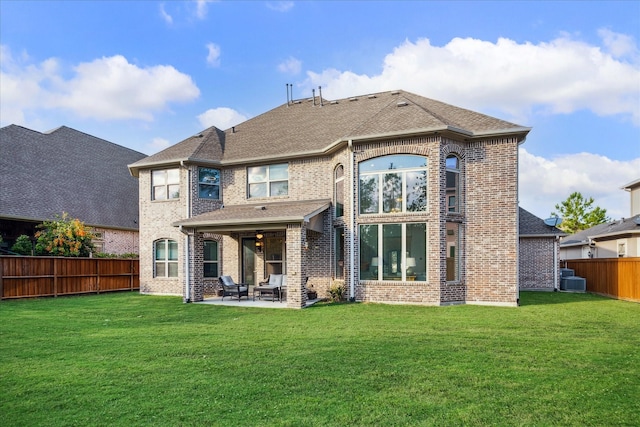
{"points": [[262, 216]]}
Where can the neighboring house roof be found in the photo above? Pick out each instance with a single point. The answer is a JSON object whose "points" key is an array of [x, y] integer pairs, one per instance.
{"points": [[611, 230], [311, 127], [630, 186], [45, 174], [264, 215], [530, 225]]}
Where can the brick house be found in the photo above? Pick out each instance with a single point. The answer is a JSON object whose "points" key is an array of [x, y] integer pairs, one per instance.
{"points": [[539, 256], [45, 174], [397, 197]]}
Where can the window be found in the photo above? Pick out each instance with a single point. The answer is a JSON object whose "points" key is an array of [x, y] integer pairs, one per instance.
{"points": [[453, 251], [268, 181], [339, 252], [393, 184], [393, 252], [166, 258], [339, 191], [165, 184], [274, 253], [209, 183], [210, 258], [622, 248], [453, 180]]}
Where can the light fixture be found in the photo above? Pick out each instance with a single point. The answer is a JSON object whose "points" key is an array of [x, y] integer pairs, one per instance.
{"points": [[411, 262], [374, 263], [259, 235]]}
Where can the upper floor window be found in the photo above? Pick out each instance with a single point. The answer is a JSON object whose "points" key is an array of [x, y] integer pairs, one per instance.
{"points": [[210, 259], [165, 184], [453, 183], [339, 191], [165, 258], [268, 181], [392, 184], [209, 183]]}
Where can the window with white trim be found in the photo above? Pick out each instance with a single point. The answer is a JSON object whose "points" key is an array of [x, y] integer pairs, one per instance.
{"points": [[268, 181], [393, 184], [210, 258], [393, 252], [165, 258], [165, 184]]}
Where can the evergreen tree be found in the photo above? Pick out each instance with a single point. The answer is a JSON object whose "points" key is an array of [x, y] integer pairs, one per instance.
{"points": [[578, 213]]}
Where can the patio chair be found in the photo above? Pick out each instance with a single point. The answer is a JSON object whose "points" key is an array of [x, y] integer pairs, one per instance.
{"points": [[272, 287], [231, 288]]}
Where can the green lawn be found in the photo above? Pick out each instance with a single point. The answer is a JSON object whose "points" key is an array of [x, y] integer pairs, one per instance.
{"points": [[125, 359]]}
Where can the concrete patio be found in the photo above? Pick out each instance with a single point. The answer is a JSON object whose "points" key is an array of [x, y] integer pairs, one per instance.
{"points": [[264, 303]]}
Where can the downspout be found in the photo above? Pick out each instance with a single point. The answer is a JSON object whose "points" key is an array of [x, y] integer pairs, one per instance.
{"points": [[187, 277], [352, 220]]}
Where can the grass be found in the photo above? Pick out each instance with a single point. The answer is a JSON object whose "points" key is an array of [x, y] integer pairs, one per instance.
{"points": [[131, 360]]}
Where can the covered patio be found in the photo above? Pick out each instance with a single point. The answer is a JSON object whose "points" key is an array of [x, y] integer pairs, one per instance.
{"points": [[256, 240]]}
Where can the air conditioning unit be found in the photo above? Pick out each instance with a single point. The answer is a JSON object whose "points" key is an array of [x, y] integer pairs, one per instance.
{"points": [[573, 283], [566, 272]]}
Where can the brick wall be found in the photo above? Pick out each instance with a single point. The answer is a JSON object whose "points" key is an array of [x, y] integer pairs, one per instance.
{"points": [[118, 241], [537, 264], [156, 219], [491, 222]]}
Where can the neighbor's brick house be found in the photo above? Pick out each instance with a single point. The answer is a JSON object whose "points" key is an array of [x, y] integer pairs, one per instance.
{"points": [[539, 258], [43, 174], [401, 198]]}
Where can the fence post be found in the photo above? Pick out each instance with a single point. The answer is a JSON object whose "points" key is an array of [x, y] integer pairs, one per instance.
{"points": [[55, 277], [1, 278], [98, 273]]}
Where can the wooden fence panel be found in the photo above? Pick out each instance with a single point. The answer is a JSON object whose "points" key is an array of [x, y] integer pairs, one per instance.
{"points": [[22, 277], [616, 277]]}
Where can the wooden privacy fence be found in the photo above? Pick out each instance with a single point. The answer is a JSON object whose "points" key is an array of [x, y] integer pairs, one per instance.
{"points": [[616, 277], [25, 276]]}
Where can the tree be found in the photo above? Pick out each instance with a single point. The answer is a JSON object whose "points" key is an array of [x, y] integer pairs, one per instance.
{"points": [[64, 237], [578, 213], [23, 245]]}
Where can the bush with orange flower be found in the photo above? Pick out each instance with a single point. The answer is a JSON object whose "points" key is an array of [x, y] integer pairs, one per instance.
{"points": [[64, 236]]}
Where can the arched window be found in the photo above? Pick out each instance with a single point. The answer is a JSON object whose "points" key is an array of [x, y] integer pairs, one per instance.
{"points": [[393, 184], [453, 183], [339, 191], [165, 258]]}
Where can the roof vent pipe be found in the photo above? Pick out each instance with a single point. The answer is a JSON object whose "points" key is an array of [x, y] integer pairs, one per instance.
{"points": [[320, 93], [313, 91], [288, 101]]}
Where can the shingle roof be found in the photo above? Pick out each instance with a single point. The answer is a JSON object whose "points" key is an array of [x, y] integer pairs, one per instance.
{"points": [[44, 174], [261, 214], [531, 225], [306, 128], [609, 230]]}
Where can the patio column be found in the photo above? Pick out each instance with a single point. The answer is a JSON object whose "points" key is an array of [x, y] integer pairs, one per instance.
{"points": [[296, 270]]}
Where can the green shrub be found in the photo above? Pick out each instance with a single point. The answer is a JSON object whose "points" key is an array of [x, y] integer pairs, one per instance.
{"points": [[23, 245], [336, 292]]}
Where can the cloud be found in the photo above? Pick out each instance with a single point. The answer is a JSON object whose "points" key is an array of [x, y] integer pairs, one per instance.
{"points": [[157, 144], [213, 57], [108, 88], [558, 77], [547, 182], [280, 6], [290, 66], [222, 118], [165, 16], [202, 8]]}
